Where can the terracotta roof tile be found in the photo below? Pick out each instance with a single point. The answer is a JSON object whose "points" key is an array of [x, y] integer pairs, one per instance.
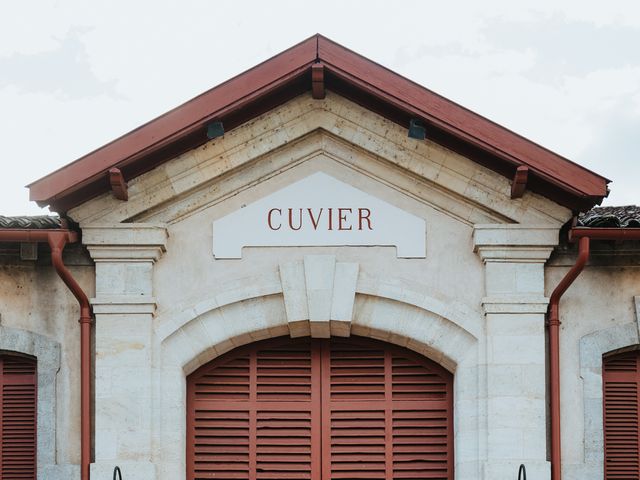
{"points": [[627, 216], [35, 222]]}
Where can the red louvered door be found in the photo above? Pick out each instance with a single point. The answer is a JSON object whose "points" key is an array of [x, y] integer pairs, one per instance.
{"points": [[621, 380], [254, 412], [319, 410], [18, 418], [387, 413]]}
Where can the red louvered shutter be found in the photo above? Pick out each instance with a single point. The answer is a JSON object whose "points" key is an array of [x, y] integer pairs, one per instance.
{"points": [[320, 409], [621, 380], [252, 414], [18, 418], [389, 413]]}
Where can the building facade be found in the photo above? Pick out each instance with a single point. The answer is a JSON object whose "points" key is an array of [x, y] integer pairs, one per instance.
{"points": [[316, 270]]}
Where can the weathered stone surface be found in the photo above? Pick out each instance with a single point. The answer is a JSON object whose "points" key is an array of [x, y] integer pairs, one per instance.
{"points": [[165, 306]]}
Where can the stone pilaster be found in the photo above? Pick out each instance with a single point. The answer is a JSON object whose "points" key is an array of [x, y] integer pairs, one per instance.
{"points": [[513, 370], [124, 255]]}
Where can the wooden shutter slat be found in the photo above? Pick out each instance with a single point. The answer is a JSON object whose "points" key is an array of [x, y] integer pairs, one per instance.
{"points": [[621, 384], [18, 408], [392, 419], [271, 389], [342, 409]]}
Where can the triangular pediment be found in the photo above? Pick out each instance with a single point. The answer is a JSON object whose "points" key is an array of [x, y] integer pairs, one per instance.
{"points": [[314, 68], [304, 136]]}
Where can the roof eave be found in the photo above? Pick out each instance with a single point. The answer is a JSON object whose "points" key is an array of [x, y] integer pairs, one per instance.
{"points": [[288, 74]]}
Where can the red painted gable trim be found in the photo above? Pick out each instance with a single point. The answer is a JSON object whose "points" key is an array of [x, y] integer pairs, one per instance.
{"points": [[179, 122], [288, 74], [455, 119]]}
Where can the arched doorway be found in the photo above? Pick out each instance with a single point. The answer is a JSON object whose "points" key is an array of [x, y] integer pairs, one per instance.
{"points": [[340, 408]]}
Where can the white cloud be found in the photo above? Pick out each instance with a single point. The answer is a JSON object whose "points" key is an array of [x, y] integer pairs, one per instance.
{"points": [[133, 61]]}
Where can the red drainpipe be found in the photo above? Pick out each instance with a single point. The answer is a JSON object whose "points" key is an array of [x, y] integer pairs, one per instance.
{"points": [[57, 239], [583, 235], [553, 324]]}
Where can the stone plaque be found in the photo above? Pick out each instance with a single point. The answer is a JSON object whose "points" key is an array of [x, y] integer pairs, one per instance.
{"points": [[319, 210]]}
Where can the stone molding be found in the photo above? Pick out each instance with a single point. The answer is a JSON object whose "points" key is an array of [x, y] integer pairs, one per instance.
{"points": [[592, 347], [514, 243], [515, 304], [124, 255], [319, 295], [267, 285], [125, 242], [447, 175], [47, 354], [118, 304], [124, 234], [213, 331]]}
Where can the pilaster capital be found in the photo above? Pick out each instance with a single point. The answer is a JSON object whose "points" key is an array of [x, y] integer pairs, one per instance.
{"points": [[514, 243], [125, 242]]}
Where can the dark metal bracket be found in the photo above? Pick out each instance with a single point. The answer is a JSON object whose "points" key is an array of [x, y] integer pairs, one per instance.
{"points": [[417, 129], [215, 130]]}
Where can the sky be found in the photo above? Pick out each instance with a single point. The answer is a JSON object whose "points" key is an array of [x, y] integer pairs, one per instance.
{"points": [[74, 75]]}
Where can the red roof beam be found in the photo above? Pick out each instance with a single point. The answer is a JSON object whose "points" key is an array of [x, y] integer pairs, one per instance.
{"points": [[317, 81], [118, 184], [519, 184]]}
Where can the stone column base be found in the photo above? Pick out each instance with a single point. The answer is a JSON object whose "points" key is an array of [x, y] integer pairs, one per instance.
{"points": [[509, 470], [59, 472], [130, 470]]}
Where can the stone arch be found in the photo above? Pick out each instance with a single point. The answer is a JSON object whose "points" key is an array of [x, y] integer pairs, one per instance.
{"points": [[47, 354], [592, 347], [214, 331], [309, 297], [212, 328]]}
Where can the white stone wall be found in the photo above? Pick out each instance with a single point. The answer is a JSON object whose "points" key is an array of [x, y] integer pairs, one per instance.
{"points": [[39, 317], [599, 314], [164, 306], [161, 315], [264, 308]]}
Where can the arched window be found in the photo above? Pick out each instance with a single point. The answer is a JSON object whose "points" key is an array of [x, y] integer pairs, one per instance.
{"points": [[621, 380], [320, 410]]}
